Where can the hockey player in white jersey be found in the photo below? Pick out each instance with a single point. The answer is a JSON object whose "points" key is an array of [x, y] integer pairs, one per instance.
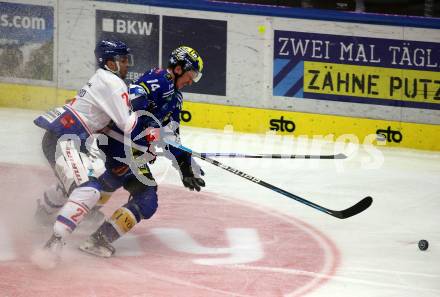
{"points": [[157, 95], [69, 132]]}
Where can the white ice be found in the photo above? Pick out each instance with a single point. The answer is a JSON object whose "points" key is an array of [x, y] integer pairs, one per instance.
{"points": [[379, 253]]}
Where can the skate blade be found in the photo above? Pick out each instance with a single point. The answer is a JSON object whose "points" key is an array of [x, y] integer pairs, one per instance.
{"points": [[95, 250]]}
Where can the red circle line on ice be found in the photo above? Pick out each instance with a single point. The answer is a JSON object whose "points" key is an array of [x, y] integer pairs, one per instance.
{"points": [[197, 244]]}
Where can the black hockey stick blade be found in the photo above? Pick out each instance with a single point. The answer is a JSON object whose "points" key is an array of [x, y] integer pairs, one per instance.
{"points": [[353, 210]]}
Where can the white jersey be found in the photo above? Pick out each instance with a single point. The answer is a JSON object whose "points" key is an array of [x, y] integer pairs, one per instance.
{"points": [[103, 99]]}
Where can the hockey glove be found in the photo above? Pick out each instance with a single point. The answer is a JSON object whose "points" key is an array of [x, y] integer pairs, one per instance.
{"points": [[190, 180], [149, 136]]}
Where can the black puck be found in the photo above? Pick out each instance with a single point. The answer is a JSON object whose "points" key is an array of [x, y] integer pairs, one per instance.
{"points": [[423, 245]]}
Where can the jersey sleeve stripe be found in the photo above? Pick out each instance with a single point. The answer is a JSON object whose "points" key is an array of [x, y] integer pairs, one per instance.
{"points": [[168, 93], [143, 85]]}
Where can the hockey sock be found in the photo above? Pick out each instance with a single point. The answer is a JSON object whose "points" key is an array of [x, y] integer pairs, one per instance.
{"points": [[78, 205], [122, 221], [104, 198]]}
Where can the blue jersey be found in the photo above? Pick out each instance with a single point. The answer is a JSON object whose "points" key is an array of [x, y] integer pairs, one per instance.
{"points": [[154, 92], [162, 99]]}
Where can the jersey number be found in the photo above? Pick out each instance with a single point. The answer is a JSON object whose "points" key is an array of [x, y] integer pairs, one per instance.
{"points": [[79, 212], [154, 87]]}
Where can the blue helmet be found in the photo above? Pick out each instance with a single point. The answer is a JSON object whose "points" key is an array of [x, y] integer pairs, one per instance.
{"points": [[110, 49]]}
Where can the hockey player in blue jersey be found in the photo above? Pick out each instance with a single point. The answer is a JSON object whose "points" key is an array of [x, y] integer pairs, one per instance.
{"points": [[158, 93]]}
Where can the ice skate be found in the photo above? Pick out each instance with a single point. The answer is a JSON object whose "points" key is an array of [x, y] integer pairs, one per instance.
{"points": [[98, 245], [49, 256], [55, 244]]}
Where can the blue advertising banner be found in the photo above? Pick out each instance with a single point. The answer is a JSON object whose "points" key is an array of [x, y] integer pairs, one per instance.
{"points": [[26, 41], [357, 69]]}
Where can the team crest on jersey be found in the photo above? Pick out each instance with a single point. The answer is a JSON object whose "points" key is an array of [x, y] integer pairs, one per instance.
{"points": [[67, 121], [168, 76]]}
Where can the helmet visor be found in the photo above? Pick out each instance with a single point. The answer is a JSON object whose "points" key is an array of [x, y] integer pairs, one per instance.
{"points": [[196, 76], [128, 57]]}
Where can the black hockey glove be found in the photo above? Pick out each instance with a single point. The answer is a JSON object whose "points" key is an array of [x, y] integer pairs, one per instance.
{"points": [[190, 180]]}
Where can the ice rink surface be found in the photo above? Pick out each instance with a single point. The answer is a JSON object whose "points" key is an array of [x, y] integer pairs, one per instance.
{"points": [[236, 238]]}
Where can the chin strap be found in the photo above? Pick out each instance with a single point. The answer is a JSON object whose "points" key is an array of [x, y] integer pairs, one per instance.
{"points": [[115, 72]]}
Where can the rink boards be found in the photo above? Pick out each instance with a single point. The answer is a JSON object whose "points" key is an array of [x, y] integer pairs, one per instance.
{"points": [[255, 120], [299, 72]]}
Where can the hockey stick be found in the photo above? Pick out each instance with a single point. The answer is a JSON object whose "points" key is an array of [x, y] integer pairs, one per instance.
{"points": [[120, 138], [273, 156], [340, 214]]}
